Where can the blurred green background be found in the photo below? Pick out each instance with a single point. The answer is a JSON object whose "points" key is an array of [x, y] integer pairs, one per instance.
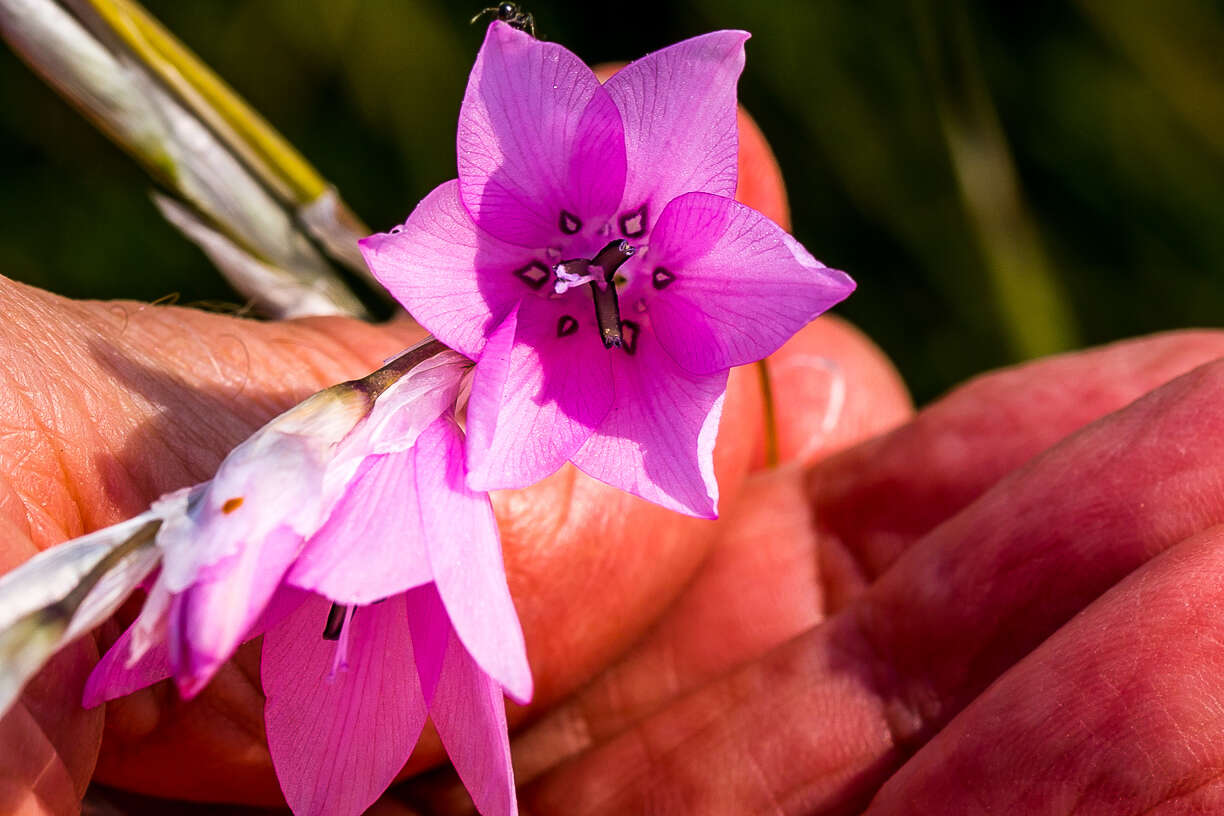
{"points": [[1003, 180]]}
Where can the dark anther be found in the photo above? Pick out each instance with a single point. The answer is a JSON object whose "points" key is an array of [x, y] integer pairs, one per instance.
{"points": [[566, 326], [569, 222], [661, 278], [335, 621], [633, 224], [607, 305], [612, 257], [534, 274], [630, 331]]}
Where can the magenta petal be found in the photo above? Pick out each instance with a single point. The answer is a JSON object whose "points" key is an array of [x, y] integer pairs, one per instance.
{"points": [[337, 742], [212, 616], [470, 715], [678, 107], [739, 288], [457, 280], [113, 678], [370, 547], [431, 628], [536, 397], [538, 135], [657, 442], [466, 557]]}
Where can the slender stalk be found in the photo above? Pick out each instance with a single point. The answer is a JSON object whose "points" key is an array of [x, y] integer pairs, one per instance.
{"points": [[372, 385], [771, 420]]}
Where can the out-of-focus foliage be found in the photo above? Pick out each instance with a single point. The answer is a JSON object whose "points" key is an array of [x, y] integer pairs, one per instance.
{"points": [[1001, 179]]}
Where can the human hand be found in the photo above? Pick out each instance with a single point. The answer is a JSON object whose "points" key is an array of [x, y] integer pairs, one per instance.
{"points": [[991, 609], [108, 405]]}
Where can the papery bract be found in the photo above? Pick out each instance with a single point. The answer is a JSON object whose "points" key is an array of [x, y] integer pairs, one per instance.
{"points": [[590, 257]]}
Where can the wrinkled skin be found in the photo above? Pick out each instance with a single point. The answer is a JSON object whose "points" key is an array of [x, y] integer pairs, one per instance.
{"points": [[1007, 603]]}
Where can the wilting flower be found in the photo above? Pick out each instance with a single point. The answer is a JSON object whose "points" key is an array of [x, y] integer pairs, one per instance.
{"points": [[353, 543], [591, 258]]}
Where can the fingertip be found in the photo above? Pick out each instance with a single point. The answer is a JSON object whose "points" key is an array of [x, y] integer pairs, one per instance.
{"points": [[832, 387]]}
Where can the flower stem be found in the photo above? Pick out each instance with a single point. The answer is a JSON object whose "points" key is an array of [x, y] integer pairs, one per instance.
{"points": [[374, 384], [771, 420]]}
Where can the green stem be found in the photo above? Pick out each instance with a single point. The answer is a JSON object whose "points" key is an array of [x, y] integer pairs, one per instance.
{"points": [[771, 419]]}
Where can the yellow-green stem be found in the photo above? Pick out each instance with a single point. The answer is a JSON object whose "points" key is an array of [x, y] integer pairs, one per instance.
{"points": [[770, 419]]}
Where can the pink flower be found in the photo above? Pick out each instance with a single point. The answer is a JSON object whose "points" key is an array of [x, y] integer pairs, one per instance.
{"points": [[347, 534], [592, 260]]}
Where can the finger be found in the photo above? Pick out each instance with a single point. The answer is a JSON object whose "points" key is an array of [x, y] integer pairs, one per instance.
{"points": [[108, 405], [832, 388], [761, 582], [822, 721], [876, 499], [105, 406], [757, 588], [1119, 712]]}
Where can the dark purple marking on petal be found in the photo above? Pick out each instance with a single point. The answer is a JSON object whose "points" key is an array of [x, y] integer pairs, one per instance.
{"points": [[569, 222], [661, 279], [633, 223], [566, 326], [629, 333], [534, 274], [335, 622]]}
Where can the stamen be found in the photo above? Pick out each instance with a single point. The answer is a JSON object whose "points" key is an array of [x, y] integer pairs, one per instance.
{"points": [[607, 313], [607, 304], [570, 274], [612, 257], [340, 662], [335, 621]]}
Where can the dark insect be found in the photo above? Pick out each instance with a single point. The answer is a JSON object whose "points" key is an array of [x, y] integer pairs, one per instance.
{"points": [[513, 15]]}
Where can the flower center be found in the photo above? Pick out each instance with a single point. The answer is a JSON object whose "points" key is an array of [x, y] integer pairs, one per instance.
{"points": [[599, 272]]}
